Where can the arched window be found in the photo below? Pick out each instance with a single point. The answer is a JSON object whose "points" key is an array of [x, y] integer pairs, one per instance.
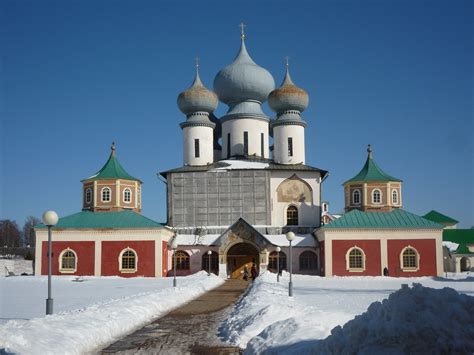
{"points": [[67, 261], [355, 260], [127, 195], [214, 258], [395, 197], [410, 258], [356, 197], [182, 260], [273, 261], [88, 196], [106, 194], [128, 261], [308, 260], [376, 196], [292, 216]]}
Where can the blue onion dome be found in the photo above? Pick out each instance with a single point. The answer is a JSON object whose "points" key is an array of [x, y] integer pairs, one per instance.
{"points": [[288, 96], [243, 80], [197, 98]]}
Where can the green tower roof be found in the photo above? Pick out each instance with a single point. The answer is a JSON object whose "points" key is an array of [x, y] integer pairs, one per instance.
{"points": [[437, 217], [112, 170], [371, 171]]}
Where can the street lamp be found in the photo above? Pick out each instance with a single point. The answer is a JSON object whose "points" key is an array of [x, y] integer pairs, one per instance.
{"points": [[50, 218], [174, 246], [278, 250], [290, 236], [209, 253]]}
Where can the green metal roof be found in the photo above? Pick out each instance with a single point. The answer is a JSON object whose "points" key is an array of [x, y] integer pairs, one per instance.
{"points": [[461, 237], [112, 170], [105, 220], [371, 171], [437, 217], [397, 218]]}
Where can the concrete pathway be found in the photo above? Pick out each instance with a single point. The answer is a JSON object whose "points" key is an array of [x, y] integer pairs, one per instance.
{"points": [[190, 329]]}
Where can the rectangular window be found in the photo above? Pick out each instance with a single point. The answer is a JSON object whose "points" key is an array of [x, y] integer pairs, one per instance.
{"points": [[228, 145], [196, 148], [262, 136], [246, 143], [290, 146]]}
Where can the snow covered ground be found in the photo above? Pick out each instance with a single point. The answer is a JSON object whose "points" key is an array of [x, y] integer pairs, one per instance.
{"points": [[267, 320], [88, 314]]}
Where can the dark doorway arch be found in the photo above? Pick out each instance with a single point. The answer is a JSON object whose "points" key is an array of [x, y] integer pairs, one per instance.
{"points": [[465, 264], [239, 256], [214, 262]]}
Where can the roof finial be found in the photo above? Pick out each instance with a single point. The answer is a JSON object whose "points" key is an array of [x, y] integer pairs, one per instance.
{"points": [[242, 32], [197, 64], [113, 148], [287, 62], [369, 151]]}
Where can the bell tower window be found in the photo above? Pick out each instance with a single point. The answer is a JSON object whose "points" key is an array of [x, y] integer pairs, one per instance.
{"points": [[88, 196], [228, 145], [262, 138], [246, 143], [290, 146], [127, 195], [376, 196], [196, 148], [106, 194], [395, 197], [356, 197]]}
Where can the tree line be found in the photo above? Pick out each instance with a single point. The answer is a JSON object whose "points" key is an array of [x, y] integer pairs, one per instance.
{"points": [[11, 236]]}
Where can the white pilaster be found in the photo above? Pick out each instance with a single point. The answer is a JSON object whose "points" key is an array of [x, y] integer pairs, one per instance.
{"points": [[98, 258], [94, 195], [158, 258], [117, 193], [383, 255], [328, 256]]}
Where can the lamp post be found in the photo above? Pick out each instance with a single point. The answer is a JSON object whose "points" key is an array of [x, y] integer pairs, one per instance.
{"points": [[174, 246], [446, 266], [209, 253], [50, 218], [290, 236], [278, 250]]}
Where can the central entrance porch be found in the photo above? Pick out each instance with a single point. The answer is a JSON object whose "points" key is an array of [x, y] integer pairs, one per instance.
{"points": [[239, 256]]}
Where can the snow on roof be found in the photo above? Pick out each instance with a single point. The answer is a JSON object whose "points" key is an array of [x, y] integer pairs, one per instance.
{"points": [[301, 240], [242, 164], [451, 246]]}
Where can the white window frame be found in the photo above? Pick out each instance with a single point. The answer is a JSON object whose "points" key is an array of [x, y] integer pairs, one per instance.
{"points": [[128, 271], [353, 197], [102, 194], [286, 214], [348, 268], [88, 194], [60, 261], [395, 193], [373, 195], [410, 269], [129, 190]]}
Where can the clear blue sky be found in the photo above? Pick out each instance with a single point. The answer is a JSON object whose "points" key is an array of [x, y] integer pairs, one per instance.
{"points": [[76, 75]]}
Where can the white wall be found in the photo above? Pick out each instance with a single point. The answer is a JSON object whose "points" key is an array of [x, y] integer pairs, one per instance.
{"points": [[206, 147], [236, 128], [308, 212], [17, 266], [280, 143]]}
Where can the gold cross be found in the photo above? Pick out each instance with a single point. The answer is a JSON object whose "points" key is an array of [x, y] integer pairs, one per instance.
{"points": [[242, 33], [287, 61], [197, 62]]}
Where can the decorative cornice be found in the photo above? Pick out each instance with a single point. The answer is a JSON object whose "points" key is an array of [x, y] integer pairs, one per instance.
{"points": [[244, 116], [197, 124], [292, 122]]}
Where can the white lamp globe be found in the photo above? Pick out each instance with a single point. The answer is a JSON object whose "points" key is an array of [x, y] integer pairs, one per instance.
{"points": [[290, 236], [209, 252], [174, 243], [50, 218], [278, 249]]}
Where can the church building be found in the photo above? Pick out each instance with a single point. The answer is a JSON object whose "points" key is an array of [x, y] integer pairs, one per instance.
{"points": [[243, 185]]}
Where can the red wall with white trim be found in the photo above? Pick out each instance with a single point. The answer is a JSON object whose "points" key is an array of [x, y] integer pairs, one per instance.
{"points": [[145, 250], [84, 261], [427, 262], [371, 249]]}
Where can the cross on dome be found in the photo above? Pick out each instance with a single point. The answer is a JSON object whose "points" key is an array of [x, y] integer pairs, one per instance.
{"points": [[242, 32]]}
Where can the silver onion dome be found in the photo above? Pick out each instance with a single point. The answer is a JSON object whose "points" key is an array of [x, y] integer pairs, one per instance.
{"points": [[243, 80], [197, 98], [288, 96]]}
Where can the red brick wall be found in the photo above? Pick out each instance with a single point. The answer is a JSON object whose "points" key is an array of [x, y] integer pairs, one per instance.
{"points": [[145, 253], [425, 247], [371, 249], [84, 262]]}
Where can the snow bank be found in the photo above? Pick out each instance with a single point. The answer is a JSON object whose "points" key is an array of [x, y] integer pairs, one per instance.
{"points": [[411, 320], [91, 328]]}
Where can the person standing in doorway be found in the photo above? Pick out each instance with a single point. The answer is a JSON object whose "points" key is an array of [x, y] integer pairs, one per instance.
{"points": [[254, 272], [246, 273]]}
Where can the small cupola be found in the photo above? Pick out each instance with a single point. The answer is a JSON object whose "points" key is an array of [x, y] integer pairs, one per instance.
{"points": [[112, 189], [372, 189]]}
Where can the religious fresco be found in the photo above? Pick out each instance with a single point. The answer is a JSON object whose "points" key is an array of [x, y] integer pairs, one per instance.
{"points": [[294, 189]]}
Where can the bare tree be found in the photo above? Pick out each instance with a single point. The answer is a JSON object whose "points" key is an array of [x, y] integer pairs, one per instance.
{"points": [[28, 231], [9, 234]]}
